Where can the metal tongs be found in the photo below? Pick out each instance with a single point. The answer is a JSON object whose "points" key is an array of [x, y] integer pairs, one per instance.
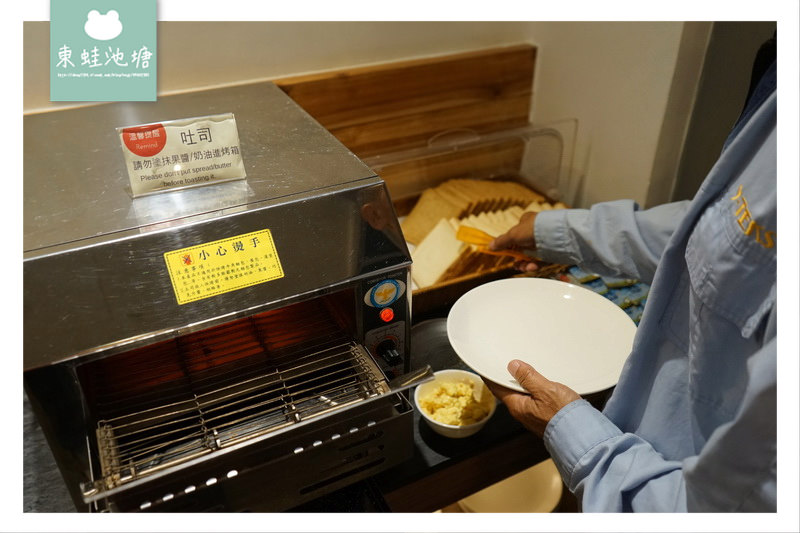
{"points": [[412, 379], [481, 240]]}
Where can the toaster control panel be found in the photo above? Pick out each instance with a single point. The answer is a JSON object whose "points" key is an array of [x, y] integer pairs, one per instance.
{"points": [[385, 319], [387, 345], [389, 351]]}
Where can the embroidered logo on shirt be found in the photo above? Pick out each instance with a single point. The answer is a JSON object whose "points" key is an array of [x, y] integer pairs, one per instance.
{"points": [[749, 226]]}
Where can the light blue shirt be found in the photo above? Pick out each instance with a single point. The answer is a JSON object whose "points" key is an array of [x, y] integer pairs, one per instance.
{"points": [[691, 425]]}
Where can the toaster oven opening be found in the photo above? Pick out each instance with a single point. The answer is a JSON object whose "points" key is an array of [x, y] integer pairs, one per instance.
{"points": [[162, 405]]}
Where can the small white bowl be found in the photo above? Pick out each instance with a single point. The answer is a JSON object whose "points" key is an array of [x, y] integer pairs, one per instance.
{"points": [[454, 376]]}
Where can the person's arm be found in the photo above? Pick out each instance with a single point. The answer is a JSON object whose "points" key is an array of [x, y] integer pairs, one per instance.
{"points": [[613, 471], [615, 238]]}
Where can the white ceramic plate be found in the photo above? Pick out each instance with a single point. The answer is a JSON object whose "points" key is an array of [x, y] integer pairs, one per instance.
{"points": [[568, 333]]}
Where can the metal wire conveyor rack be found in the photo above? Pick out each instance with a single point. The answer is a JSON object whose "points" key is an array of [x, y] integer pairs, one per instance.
{"points": [[231, 390]]}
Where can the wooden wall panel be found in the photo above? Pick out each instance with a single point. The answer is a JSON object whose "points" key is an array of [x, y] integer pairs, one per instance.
{"points": [[379, 108]]}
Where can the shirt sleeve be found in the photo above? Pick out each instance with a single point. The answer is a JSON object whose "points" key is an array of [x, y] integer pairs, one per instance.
{"points": [[611, 238], [614, 471]]}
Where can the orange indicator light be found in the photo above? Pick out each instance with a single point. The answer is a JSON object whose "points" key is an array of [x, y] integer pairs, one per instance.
{"points": [[387, 314]]}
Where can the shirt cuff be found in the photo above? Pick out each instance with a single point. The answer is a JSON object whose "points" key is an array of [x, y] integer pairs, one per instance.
{"points": [[551, 232], [573, 432]]}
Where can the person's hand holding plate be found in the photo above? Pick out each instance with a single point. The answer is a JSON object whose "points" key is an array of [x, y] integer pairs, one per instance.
{"points": [[544, 399]]}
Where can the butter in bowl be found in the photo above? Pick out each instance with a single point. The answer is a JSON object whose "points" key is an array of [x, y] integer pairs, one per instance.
{"points": [[455, 404]]}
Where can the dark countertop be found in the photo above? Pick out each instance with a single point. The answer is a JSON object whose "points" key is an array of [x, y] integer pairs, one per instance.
{"points": [[440, 472], [43, 488], [444, 470]]}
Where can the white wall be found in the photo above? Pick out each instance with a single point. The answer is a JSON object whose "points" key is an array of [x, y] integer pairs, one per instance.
{"points": [[202, 54], [615, 78]]}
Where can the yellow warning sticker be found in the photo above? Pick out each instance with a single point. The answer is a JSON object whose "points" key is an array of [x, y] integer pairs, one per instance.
{"points": [[222, 266]]}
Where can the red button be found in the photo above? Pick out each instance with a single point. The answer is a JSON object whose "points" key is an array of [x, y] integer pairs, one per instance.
{"points": [[387, 314]]}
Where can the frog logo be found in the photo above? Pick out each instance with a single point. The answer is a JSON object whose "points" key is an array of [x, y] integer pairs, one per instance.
{"points": [[102, 27]]}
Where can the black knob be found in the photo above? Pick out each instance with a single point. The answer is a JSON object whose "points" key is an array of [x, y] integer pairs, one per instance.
{"points": [[387, 349]]}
